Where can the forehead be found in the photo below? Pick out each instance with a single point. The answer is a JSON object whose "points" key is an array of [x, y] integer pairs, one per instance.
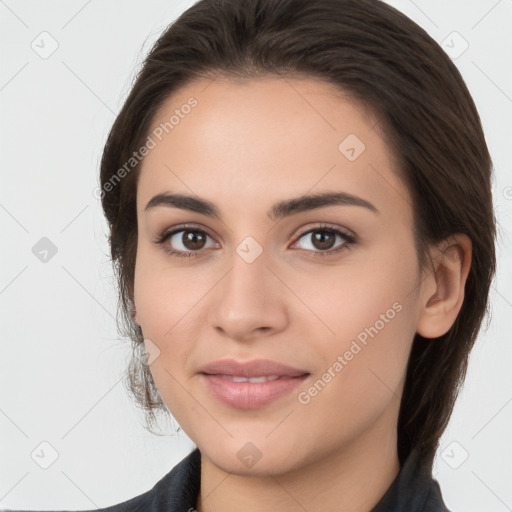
{"points": [[264, 140]]}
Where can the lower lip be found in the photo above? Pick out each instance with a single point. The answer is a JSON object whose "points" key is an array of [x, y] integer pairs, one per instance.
{"points": [[250, 395]]}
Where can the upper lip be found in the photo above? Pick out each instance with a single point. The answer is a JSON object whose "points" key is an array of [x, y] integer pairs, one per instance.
{"points": [[253, 368]]}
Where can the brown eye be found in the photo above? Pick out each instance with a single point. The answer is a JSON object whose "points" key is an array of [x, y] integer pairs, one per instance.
{"points": [[184, 242], [322, 240], [193, 240]]}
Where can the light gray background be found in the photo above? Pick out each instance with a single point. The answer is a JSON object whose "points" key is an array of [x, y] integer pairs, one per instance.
{"points": [[62, 364]]}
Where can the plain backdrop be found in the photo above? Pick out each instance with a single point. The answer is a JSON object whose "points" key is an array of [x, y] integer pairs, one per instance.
{"points": [[62, 400]]}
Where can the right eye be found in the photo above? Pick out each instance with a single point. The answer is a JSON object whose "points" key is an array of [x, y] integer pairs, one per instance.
{"points": [[187, 241]]}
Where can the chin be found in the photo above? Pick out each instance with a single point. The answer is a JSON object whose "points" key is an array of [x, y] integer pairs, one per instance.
{"points": [[259, 457]]}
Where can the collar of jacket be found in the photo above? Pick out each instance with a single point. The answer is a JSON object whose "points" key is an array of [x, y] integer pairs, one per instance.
{"points": [[413, 490]]}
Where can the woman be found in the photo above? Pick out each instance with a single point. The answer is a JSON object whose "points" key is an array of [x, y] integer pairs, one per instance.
{"points": [[300, 212]]}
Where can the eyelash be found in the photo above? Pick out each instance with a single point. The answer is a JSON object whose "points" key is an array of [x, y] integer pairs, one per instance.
{"points": [[163, 237]]}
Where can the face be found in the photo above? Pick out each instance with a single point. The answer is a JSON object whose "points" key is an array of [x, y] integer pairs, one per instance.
{"points": [[328, 289]]}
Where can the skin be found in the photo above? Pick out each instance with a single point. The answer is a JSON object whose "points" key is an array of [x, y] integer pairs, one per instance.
{"points": [[245, 146]]}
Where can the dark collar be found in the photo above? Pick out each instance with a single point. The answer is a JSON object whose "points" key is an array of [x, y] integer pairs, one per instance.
{"points": [[413, 490]]}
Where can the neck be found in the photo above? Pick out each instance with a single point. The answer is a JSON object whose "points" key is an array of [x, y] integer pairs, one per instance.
{"points": [[347, 479]]}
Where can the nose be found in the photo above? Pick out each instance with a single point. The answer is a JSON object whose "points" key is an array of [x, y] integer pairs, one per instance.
{"points": [[249, 301]]}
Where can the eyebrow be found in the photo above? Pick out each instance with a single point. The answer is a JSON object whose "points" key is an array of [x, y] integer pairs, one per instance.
{"points": [[278, 211]]}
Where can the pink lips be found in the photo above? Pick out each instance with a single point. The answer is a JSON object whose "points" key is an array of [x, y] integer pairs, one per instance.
{"points": [[275, 380]]}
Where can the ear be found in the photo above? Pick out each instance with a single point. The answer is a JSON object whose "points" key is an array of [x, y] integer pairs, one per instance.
{"points": [[442, 291]]}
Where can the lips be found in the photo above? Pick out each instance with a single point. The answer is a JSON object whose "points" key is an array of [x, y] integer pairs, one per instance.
{"points": [[251, 384], [251, 369], [234, 378]]}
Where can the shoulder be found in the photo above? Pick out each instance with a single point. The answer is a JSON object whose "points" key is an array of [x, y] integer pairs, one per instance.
{"points": [[175, 491], [434, 500]]}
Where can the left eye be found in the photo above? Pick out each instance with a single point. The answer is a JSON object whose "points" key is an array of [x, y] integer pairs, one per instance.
{"points": [[322, 240]]}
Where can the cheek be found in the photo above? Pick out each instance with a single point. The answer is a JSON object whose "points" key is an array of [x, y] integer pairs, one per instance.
{"points": [[370, 294], [163, 295], [162, 304], [372, 313], [167, 301], [363, 368]]}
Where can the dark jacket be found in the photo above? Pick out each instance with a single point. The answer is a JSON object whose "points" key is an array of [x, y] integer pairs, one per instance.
{"points": [[413, 490]]}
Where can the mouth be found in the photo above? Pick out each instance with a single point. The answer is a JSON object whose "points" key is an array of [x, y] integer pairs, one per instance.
{"points": [[254, 393], [254, 368], [240, 378], [252, 384]]}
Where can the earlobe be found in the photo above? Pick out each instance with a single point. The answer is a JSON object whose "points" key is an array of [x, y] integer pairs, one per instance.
{"points": [[440, 307]]}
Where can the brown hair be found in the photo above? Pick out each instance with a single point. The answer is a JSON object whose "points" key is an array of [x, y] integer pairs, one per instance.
{"points": [[381, 58]]}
